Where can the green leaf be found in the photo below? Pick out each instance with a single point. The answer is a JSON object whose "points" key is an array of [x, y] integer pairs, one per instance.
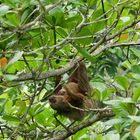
{"points": [[135, 118], [19, 138], [32, 127], [12, 3], [99, 137], [112, 137], [21, 105], [41, 118], [112, 102], [77, 2], [9, 77], [1, 72], [38, 109], [127, 100], [84, 32], [128, 65], [8, 106], [122, 106], [61, 31], [122, 81], [16, 57], [114, 121], [136, 76], [120, 110], [12, 19], [84, 53], [3, 9], [11, 118], [92, 3], [100, 86], [24, 16], [57, 15], [4, 96], [137, 133], [99, 26], [136, 94], [125, 18], [126, 136], [72, 21], [136, 52], [135, 69], [106, 94], [79, 134]]}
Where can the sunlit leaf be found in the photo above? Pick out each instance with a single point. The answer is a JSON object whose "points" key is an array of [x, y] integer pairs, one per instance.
{"points": [[135, 118], [16, 57], [9, 77], [8, 107], [84, 52], [113, 136], [19, 138], [92, 3], [135, 69], [3, 96], [122, 81], [3, 9], [12, 19], [11, 118], [114, 121], [112, 102], [136, 94], [21, 106], [137, 133], [136, 52]]}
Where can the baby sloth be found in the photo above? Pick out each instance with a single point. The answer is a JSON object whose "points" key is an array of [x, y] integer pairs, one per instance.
{"points": [[71, 99]]}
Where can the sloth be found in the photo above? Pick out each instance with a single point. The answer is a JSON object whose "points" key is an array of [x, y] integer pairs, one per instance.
{"points": [[71, 99]]}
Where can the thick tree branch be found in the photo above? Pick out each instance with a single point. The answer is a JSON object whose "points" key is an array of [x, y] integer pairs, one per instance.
{"points": [[73, 130], [51, 73], [70, 65]]}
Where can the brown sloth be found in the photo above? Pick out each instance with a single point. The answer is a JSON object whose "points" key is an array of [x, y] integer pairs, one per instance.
{"points": [[71, 99]]}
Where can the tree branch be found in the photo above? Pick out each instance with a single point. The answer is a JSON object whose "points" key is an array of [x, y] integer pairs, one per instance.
{"points": [[50, 73], [123, 29], [47, 9], [84, 124], [70, 65], [102, 48]]}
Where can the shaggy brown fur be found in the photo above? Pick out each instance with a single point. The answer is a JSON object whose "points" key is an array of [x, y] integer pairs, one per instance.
{"points": [[73, 95]]}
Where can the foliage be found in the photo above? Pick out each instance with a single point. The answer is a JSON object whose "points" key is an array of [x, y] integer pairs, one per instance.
{"points": [[40, 39]]}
